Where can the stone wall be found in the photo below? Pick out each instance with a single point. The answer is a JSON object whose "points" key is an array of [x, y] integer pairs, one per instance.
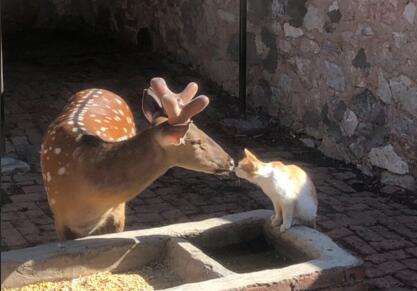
{"points": [[343, 74]]}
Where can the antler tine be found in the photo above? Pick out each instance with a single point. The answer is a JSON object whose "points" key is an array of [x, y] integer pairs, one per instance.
{"points": [[180, 108], [160, 87], [193, 108], [189, 92]]}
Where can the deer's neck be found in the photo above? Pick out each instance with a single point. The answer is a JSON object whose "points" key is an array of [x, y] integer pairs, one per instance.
{"points": [[123, 170]]}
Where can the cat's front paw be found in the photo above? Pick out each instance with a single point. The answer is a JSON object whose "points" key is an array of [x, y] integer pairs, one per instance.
{"points": [[275, 220], [284, 227]]}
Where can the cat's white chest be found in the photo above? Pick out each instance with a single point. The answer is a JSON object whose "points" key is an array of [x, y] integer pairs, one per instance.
{"points": [[277, 186]]}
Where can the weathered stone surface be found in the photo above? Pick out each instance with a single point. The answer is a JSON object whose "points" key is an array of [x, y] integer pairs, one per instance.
{"points": [[308, 46], [335, 76], [399, 86], [349, 123], [334, 5], [360, 61], [334, 15], [406, 182], [227, 16], [385, 157], [364, 29], [314, 19], [311, 119], [296, 10], [409, 101], [241, 126], [9, 165], [404, 90], [410, 12], [308, 142], [291, 31], [368, 108], [384, 90], [271, 60], [400, 39]]}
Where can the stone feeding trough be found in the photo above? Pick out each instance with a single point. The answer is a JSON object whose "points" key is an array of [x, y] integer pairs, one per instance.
{"points": [[239, 251]]}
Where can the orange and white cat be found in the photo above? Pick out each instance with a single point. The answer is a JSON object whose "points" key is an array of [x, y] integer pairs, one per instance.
{"points": [[291, 190]]}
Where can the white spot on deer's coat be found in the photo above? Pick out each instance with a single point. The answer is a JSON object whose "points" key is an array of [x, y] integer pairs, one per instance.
{"points": [[74, 129], [50, 148], [121, 112], [129, 120], [61, 171], [92, 115], [125, 129], [57, 151], [70, 122], [117, 118], [97, 120], [103, 129], [118, 101], [48, 177], [53, 201]]}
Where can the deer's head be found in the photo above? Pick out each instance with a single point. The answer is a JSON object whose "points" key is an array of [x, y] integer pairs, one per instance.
{"points": [[182, 142]]}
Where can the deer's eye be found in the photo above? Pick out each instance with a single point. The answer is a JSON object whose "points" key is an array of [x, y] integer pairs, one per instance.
{"points": [[195, 142]]}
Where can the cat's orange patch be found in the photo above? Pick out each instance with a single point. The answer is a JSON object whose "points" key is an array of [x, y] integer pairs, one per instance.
{"points": [[250, 164]]}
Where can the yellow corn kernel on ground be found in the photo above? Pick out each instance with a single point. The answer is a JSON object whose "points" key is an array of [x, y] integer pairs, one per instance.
{"points": [[102, 281]]}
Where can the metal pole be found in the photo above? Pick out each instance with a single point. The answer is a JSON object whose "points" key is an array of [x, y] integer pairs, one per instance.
{"points": [[3, 147], [242, 56]]}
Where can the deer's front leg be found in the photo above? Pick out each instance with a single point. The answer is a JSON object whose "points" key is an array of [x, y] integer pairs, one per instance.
{"points": [[115, 221]]}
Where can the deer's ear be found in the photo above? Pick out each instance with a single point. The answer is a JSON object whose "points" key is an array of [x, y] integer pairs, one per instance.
{"points": [[151, 106], [173, 134]]}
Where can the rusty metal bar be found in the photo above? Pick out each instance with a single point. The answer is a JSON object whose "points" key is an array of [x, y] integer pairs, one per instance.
{"points": [[242, 56], [3, 139]]}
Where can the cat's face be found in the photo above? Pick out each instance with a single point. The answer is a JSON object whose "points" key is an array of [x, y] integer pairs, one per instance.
{"points": [[248, 167]]}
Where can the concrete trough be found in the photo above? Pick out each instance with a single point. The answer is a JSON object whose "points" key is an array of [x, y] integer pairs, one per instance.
{"points": [[234, 252]]}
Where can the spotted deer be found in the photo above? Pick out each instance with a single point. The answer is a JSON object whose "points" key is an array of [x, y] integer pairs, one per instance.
{"points": [[93, 161]]}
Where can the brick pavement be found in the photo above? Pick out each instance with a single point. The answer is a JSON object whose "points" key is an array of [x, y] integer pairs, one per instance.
{"points": [[370, 225]]}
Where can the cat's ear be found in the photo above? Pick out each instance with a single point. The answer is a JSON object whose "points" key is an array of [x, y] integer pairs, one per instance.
{"points": [[249, 155]]}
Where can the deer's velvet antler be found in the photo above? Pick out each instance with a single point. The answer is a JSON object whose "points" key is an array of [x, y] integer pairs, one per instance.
{"points": [[180, 107]]}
